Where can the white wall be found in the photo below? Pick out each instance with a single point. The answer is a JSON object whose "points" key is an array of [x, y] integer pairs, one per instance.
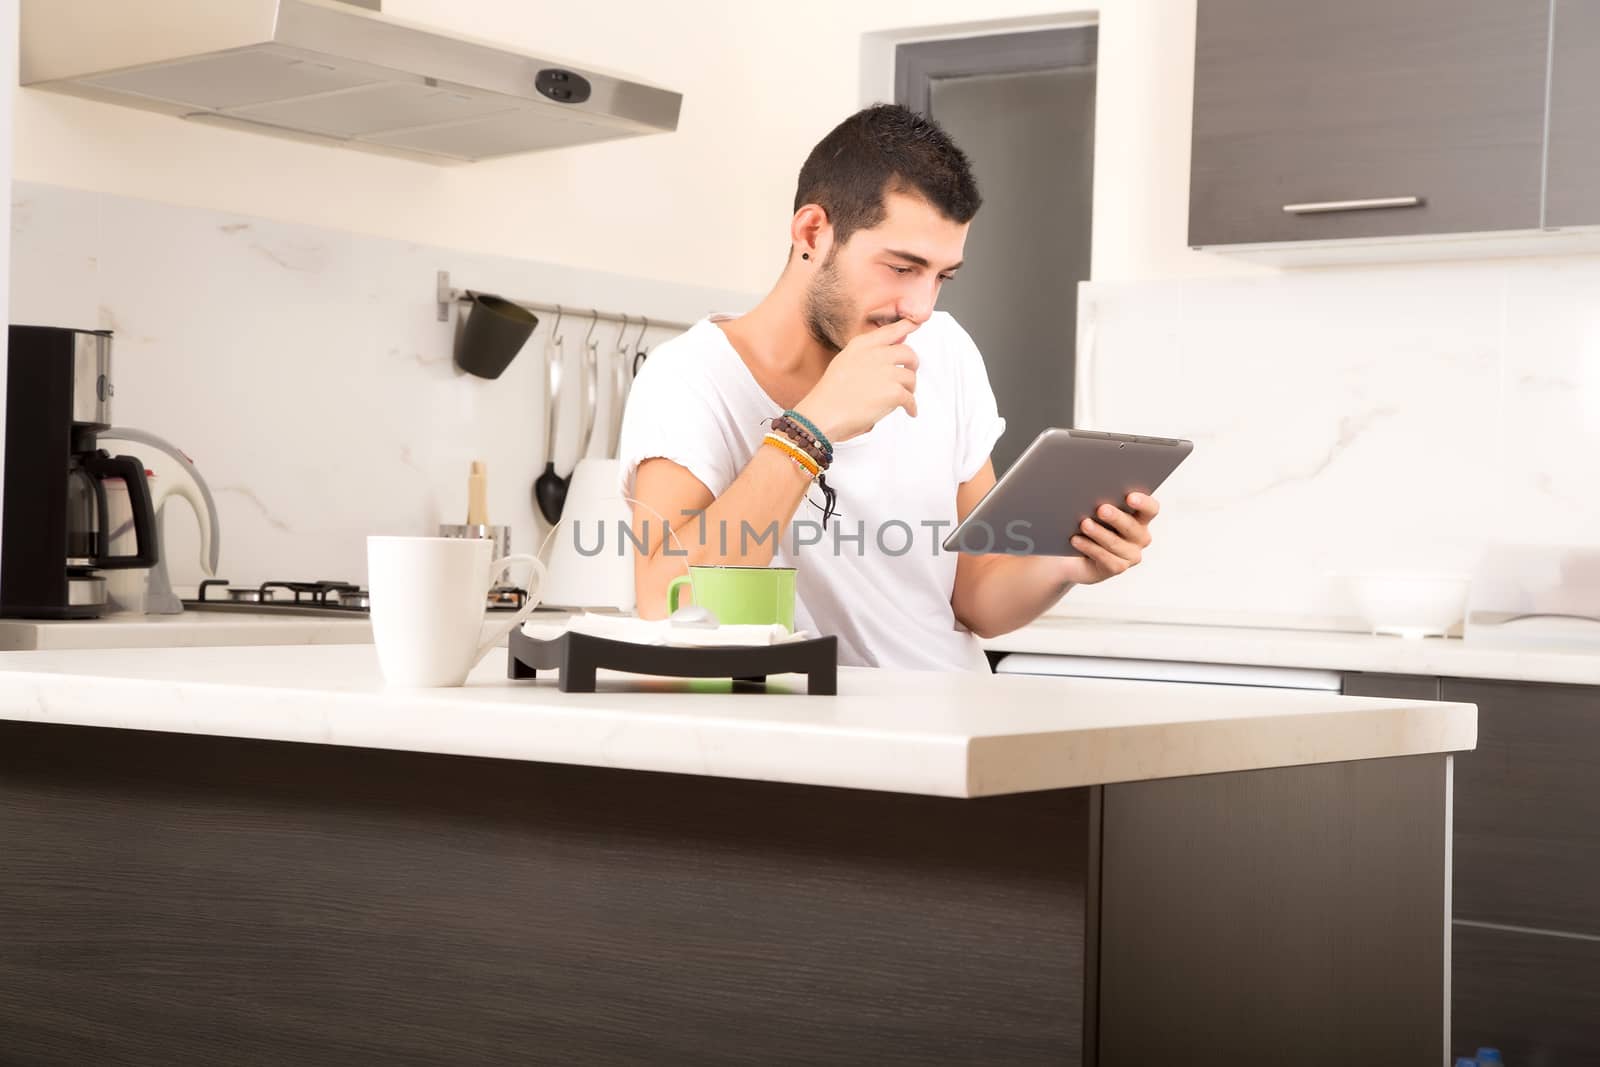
{"points": [[306, 373], [8, 79], [709, 204]]}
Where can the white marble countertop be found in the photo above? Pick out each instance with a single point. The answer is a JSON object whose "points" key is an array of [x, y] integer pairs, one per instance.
{"points": [[194, 629], [185, 630], [1574, 663], [961, 734]]}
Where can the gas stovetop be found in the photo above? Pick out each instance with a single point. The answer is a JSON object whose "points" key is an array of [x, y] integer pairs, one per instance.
{"points": [[323, 598]]}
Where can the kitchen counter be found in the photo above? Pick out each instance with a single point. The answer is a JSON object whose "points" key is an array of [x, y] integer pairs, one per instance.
{"points": [[1571, 663], [260, 855], [188, 629], [946, 734], [196, 629], [1574, 663]]}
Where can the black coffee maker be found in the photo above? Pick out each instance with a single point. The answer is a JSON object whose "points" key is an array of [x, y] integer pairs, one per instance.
{"points": [[54, 534]]}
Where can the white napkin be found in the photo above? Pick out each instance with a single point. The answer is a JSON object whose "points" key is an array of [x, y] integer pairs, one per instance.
{"points": [[661, 631]]}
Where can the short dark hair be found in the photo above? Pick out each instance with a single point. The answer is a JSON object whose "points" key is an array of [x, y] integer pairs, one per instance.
{"points": [[882, 149]]}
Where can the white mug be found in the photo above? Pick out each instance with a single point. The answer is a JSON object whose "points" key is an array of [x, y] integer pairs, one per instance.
{"points": [[429, 595]]}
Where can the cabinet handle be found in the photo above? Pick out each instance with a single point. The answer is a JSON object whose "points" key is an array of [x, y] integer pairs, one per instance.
{"points": [[1323, 207]]}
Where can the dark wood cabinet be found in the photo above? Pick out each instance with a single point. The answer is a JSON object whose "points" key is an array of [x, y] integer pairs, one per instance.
{"points": [[1573, 189], [1301, 106], [1534, 997], [1527, 808], [1189, 916], [1525, 968], [1390, 686], [173, 899]]}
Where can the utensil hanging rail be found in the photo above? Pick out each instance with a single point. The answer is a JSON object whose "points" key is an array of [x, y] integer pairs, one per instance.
{"points": [[448, 296]]}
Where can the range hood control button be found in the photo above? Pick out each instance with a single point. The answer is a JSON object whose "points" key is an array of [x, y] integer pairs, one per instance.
{"points": [[562, 86]]}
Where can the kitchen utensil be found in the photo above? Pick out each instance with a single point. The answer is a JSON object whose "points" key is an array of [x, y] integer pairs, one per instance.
{"points": [[429, 597], [740, 595], [631, 372], [590, 409], [494, 332], [622, 367], [549, 491], [557, 484], [639, 353], [1410, 603]]}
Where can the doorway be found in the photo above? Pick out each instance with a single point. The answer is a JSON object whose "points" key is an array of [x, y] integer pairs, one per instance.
{"points": [[1021, 105]]}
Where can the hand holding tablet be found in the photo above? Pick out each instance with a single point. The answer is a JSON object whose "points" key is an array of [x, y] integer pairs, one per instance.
{"points": [[1062, 478]]}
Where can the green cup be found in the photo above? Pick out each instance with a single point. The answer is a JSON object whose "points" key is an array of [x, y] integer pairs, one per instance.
{"points": [[737, 596]]}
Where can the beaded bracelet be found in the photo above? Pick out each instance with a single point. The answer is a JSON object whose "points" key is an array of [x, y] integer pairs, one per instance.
{"points": [[807, 424], [791, 426], [804, 438], [792, 429], [809, 449], [801, 440]]}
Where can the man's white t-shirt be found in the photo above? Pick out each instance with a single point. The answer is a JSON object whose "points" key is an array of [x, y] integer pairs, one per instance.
{"points": [[884, 593]]}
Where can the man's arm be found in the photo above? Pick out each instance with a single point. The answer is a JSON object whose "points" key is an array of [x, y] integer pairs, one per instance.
{"points": [[764, 496], [874, 374], [995, 594]]}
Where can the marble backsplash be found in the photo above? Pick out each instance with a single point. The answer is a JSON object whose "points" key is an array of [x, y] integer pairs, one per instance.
{"points": [[306, 373], [1347, 421], [1343, 420]]}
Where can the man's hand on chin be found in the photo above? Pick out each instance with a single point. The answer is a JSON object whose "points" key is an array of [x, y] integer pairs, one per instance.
{"points": [[1111, 541]]}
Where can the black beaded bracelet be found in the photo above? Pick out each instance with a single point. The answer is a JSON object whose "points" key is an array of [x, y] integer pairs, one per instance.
{"points": [[803, 441]]}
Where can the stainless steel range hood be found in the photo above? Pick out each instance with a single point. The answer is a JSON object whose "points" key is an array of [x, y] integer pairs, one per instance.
{"points": [[330, 71]]}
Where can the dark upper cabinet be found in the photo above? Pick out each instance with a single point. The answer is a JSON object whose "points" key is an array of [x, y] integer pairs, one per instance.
{"points": [[1573, 196], [1304, 105]]}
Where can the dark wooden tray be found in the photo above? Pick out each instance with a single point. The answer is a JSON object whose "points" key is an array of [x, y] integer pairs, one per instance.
{"points": [[578, 656]]}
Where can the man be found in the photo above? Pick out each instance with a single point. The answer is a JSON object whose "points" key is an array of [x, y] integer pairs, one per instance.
{"points": [[848, 339]]}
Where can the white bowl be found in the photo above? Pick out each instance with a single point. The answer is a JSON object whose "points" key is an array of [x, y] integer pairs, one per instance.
{"points": [[1410, 603]]}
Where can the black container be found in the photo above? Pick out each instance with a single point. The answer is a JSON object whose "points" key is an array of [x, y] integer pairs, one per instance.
{"points": [[495, 331]]}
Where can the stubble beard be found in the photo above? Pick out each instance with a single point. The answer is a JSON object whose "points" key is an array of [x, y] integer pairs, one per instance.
{"points": [[829, 314]]}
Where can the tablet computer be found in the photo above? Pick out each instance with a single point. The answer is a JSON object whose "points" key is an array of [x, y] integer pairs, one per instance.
{"points": [[1057, 482]]}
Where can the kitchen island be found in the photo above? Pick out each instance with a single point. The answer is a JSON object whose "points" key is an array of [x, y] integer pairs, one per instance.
{"points": [[260, 855]]}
